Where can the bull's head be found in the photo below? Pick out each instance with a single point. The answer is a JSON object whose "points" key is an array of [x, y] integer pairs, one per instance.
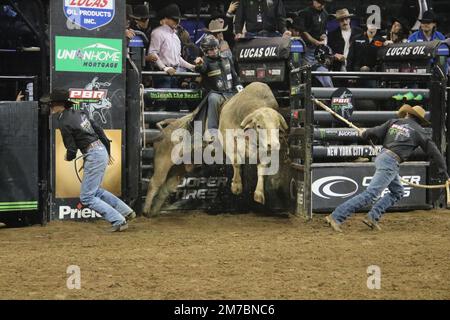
{"points": [[265, 121]]}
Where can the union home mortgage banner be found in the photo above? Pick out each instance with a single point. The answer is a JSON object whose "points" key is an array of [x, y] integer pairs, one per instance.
{"points": [[88, 59]]}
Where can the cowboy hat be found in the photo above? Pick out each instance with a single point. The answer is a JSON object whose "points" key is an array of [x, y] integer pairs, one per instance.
{"points": [[216, 26], [58, 95], [140, 12], [403, 23], [172, 11], [428, 16], [342, 14], [416, 111]]}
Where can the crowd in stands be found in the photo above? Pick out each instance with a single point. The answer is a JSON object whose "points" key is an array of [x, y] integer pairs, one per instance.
{"points": [[354, 44]]}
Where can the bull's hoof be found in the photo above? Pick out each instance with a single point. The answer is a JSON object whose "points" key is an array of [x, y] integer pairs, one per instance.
{"points": [[146, 212], [149, 214], [236, 188], [258, 196]]}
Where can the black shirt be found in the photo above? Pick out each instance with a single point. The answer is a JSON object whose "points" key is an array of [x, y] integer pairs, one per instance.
{"points": [[272, 13], [403, 136], [365, 52], [218, 74], [78, 132], [313, 21]]}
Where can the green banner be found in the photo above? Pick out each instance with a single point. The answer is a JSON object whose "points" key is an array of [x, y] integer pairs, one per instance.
{"points": [[168, 95], [79, 54]]}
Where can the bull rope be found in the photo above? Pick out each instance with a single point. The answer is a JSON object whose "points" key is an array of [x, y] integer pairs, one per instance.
{"points": [[416, 185]]}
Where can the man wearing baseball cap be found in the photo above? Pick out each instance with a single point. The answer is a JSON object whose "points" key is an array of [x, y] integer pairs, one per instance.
{"points": [[400, 138], [80, 132]]}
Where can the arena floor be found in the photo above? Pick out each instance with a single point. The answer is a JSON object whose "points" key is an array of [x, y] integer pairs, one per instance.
{"points": [[247, 256]]}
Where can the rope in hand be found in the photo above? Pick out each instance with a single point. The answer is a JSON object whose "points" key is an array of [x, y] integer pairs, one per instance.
{"points": [[75, 165], [446, 185]]}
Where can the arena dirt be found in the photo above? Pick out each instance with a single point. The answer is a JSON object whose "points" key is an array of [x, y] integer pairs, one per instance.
{"points": [[246, 256]]}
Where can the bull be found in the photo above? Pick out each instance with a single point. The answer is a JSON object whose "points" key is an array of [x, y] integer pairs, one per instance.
{"points": [[255, 107]]}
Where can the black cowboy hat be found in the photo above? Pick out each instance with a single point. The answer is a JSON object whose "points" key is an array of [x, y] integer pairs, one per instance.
{"points": [[297, 24], [403, 22], [140, 12], [172, 11], [58, 95], [428, 16]]}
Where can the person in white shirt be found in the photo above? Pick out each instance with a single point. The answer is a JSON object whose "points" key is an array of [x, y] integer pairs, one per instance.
{"points": [[165, 48]]}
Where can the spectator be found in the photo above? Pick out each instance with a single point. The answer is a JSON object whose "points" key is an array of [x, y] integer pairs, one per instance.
{"points": [[261, 18], [314, 25], [189, 51], [427, 31], [399, 32], [139, 21], [216, 28], [129, 33], [341, 40], [232, 8], [413, 10], [312, 22], [366, 48], [165, 47], [228, 19]]}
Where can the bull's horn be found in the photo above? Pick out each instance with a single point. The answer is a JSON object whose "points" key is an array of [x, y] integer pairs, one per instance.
{"points": [[283, 123], [248, 121]]}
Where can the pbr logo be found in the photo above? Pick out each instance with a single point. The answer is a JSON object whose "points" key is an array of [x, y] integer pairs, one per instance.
{"points": [[89, 14], [81, 95], [93, 99]]}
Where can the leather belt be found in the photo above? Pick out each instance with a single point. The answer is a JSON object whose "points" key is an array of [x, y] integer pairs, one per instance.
{"points": [[394, 155], [94, 144]]}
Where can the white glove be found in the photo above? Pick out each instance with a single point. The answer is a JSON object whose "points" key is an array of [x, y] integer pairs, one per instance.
{"points": [[239, 88]]}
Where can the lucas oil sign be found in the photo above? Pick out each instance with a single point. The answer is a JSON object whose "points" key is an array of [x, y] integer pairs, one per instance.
{"points": [[88, 54], [89, 14]]}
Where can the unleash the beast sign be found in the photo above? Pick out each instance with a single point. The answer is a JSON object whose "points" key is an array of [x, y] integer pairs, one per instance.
{"points": [[89, 14]]}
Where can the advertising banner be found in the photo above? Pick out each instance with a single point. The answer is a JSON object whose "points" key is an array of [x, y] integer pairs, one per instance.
{"points": [[332, 185], [88, 60], [19, 187], [78, 54]]}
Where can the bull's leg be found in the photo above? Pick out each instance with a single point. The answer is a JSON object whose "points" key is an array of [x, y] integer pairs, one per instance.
{"points": [[236, 183], [162, 167], [259, 191], [173, 180]]}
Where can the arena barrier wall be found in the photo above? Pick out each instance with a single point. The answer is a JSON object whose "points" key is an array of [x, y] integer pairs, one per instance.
{"points": [[336, 170]]}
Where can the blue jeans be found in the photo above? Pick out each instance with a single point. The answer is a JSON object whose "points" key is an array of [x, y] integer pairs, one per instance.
{"points": [[386, 176], [215, 100], [167, 81], [92, 196]]}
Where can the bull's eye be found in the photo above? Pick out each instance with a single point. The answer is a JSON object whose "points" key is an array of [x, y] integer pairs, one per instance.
{"points": [[258, 126]]}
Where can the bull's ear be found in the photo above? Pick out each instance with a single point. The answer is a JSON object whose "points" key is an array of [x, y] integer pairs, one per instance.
{"points": [[247, 122], [283, 123]]}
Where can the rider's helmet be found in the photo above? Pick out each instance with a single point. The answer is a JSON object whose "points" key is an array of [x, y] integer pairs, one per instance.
{"points": [[209, 42], [324, 55]]}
